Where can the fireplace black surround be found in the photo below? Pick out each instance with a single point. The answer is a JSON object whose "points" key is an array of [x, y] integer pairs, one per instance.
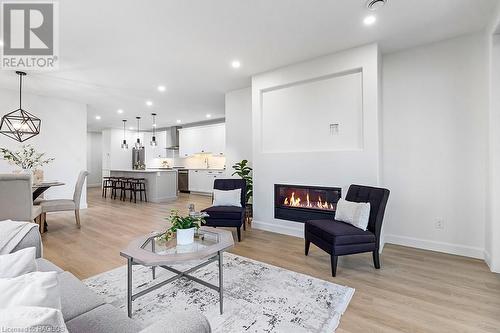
{"points": [[301, 203]]}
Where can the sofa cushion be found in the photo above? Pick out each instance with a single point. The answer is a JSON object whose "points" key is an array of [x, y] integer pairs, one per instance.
{"points": [[43, 265], [76, 298], [224, 212], [105, 319], [339, 233]]}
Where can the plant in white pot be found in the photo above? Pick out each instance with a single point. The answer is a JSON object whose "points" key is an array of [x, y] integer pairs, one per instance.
{"points": [[28, 159], [184, 226]]}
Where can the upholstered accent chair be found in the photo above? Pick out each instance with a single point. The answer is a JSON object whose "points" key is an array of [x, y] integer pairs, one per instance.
{"points": [[16, 199], [340, 239], [228, 216], [59, 205]]}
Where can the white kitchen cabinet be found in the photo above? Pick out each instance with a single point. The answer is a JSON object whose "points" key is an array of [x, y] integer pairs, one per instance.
{"points": [[203, 180], [202, 139], [159, 151]]}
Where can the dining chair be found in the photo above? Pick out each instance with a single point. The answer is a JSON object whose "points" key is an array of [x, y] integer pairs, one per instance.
{"points": [[16, 199], [61, 205]]}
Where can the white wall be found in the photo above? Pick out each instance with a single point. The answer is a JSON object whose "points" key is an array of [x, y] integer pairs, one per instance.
{"points": [[238, 127], [94, 159], [327, 168], [113, 156], [63, 136], [492, 229], [435, 145]]}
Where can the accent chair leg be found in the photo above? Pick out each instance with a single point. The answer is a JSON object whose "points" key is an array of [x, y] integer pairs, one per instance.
{"points": [[77, 217], [307, 245], [238, 231], [333, 260], [376, 259]]}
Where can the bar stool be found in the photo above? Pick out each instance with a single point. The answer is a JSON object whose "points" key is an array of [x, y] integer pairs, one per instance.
{"points": [[107, 183], [126, 186], [138, 185], [117, 185]]}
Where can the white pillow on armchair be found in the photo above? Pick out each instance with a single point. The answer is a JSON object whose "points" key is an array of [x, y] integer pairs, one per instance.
{"points": [[227, 198], [355, 213]]}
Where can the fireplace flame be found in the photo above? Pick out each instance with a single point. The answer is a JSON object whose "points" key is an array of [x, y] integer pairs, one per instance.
{"points": [[294, 201]]}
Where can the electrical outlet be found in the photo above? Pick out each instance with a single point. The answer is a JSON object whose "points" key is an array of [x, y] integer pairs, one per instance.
{"points": [[439, 224]]}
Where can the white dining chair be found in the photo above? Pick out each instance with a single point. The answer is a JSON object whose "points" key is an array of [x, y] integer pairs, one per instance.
{"points": [[16, 199], [60, 205]]}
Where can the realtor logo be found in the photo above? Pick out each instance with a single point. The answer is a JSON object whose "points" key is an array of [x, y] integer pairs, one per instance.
{"points": [[30, 35]]}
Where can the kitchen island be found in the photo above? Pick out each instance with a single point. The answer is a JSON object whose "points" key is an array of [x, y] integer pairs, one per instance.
{"points": [[161, 184]]}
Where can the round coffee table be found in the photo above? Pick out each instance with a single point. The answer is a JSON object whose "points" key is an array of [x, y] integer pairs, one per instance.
{"points": [[208, 246]]}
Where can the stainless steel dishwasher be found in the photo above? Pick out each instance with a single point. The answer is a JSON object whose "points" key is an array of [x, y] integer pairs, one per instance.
{"points": [[183, 180]]}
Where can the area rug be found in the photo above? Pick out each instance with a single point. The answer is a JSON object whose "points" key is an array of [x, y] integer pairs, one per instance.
{"points": [[257, 297]]}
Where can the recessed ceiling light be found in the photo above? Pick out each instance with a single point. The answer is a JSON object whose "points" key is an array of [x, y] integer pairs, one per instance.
{"points": [[98, 117], [162, 88], [120, 111], [208, 115], [130, 128], [149, 103], [369, 20], [178, 121], [1, 43], [236, 64]]}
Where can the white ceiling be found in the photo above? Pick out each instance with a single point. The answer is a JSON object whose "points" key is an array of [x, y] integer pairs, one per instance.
{"points": [[115, 53]]}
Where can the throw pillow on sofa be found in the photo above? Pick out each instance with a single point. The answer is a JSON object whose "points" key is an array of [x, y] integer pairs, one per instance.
{"points": [[355, 213], [18, 263], [32, 289], [32, 319], [227, 198]]}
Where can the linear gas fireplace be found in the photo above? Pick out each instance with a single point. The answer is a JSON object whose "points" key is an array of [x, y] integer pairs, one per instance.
{"points": [[301, 203]]}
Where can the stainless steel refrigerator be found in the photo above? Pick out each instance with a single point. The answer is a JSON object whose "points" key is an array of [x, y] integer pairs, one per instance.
{"points": [[138, 160]]}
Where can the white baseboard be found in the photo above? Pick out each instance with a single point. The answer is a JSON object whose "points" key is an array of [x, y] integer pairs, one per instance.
{"points": [[461, 250], [487, 259], [280, 229]]}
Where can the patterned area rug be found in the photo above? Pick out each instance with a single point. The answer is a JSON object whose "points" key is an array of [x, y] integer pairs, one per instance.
{"points": [[257, 297]]}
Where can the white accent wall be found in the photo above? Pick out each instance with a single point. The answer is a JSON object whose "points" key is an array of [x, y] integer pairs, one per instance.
{"points": [[238, 128], [63, 136], [340, 88], [435, 152], [94, 159]]}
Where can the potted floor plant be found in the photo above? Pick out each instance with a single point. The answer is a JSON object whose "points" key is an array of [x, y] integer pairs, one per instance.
{"points": [[184, 227], [243, 170]]}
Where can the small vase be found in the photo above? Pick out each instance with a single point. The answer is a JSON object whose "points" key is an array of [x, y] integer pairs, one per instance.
{"points": [[37, 176], [185, 236]]}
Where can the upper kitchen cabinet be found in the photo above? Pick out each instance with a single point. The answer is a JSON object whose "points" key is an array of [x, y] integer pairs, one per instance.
{"points": [[155, 152], [210, 139]]}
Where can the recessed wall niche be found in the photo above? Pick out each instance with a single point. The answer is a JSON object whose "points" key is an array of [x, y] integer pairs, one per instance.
{"points": [[324, 114]]}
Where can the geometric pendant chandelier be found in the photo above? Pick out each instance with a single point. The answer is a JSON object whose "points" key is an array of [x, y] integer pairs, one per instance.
{"points": [[19, 124]]}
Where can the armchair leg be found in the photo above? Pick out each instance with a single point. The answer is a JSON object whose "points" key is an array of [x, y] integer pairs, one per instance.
{"points": [[238, 231], [307, 245], [77, 217], [376, 259], [333, 260]]}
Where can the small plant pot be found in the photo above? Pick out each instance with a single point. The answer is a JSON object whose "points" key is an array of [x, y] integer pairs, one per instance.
{"points": [[185, 236]]}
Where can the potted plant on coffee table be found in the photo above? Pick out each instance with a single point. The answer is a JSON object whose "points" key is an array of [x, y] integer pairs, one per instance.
{"points": [[184, 226]]}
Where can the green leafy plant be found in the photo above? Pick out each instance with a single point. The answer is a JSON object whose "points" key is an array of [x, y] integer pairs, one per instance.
{"points": [[183, 222], [27, 158], [244, 171]]}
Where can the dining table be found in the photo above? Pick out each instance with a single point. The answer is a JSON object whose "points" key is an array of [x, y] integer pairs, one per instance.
{"points": [[40, 188]]}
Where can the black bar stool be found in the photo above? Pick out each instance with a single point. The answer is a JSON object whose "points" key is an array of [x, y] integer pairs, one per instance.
{"points": [[138, 185], [126, 186], [117, 186], [107, 183]]}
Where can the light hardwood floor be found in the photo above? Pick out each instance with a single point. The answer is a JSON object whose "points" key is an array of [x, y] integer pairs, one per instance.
{"points": [[415, 291]]}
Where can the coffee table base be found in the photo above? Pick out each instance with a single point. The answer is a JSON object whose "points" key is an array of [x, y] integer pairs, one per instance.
{"points": [[131, 297]]}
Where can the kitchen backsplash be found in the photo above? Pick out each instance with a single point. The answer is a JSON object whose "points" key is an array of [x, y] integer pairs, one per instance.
{"points": [[198, 161]]}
